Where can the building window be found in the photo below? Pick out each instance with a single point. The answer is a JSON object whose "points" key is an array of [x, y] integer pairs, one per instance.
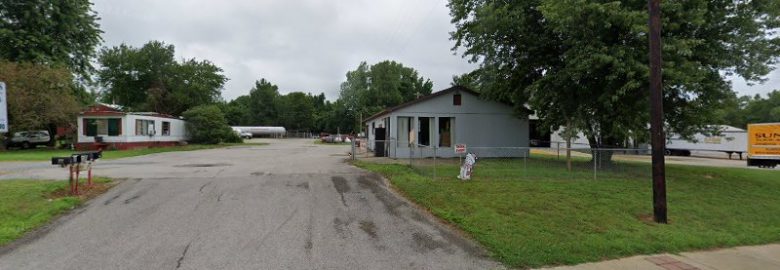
{"points": [[425, 130], [102, 127], [446, 133], [166, 128], [456, 100], [144, 127]]}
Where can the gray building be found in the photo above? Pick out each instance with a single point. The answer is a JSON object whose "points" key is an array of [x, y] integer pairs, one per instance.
{"points": [[443, 119]]}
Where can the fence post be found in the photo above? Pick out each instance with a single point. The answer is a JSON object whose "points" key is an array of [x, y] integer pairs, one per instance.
{"points": [[595, 159], [353, 150], [434, 163], [410, 156], [525, 163]]}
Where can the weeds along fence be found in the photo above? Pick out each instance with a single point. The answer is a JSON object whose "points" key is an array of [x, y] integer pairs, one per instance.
{"points": [[506, 163]]}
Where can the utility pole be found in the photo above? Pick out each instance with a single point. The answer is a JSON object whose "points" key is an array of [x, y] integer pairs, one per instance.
{"points": [[658, 140]]}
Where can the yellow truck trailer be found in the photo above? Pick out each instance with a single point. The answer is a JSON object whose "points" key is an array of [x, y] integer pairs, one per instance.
{"points": [[763, 145]]}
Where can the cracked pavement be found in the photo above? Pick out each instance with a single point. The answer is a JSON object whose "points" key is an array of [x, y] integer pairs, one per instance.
{"points": [[287, 205]]}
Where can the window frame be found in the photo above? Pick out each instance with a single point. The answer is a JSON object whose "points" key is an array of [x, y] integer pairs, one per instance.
{"points": [[165, 128]]}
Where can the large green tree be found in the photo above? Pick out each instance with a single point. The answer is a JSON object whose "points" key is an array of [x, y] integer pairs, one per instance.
{"points": [[585, 62], [50, 33], [149, 78], [206, 124], [38, 96], [262, 99], [370, 89], [296, 111]]}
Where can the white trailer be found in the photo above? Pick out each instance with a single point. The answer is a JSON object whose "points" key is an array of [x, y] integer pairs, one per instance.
{"points": [[730, 140], [262, 131]]}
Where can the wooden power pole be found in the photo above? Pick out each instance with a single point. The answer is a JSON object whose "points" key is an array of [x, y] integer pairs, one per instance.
{"points": [[658, 140]]}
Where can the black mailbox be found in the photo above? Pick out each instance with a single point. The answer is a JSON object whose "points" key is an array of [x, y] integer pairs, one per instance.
{"points": [[61, 160]]}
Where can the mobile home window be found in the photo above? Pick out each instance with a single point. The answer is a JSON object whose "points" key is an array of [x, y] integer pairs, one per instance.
{"points": [[103, 127], [166, 128], [144, 127]]}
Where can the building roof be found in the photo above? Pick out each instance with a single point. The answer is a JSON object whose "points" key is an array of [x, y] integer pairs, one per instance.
{"points": [[456, 88], [102, 109], [421, 99]]}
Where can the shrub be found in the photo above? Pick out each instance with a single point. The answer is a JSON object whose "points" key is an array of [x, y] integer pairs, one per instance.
{"points": [[206, 124]]}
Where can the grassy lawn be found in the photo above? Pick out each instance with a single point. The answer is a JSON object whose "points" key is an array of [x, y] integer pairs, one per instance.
{"points": [[536, 213], [42, 154], [29, 204]]}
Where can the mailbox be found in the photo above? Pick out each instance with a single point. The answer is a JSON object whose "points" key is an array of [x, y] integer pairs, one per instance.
{"points": [[62, 161]]}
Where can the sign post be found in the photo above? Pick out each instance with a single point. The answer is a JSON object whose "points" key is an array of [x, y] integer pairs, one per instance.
{"points": [[3, 109], [460, 149]]}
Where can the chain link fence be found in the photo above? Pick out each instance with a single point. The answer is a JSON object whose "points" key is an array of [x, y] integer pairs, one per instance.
{"points": [[502, 163]]}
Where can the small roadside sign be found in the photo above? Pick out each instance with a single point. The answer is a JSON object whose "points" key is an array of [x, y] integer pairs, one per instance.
{"points": [[460, 148], [3, 109]]}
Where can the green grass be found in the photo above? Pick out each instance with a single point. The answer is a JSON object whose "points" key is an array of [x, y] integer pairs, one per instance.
{"points": [[544, 215], [42, 154], [29, 204]]}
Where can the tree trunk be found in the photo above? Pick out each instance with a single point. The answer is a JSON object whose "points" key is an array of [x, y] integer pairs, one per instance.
{"points": [[600, 150]]}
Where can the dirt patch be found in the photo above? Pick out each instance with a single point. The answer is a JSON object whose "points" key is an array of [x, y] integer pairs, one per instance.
{"points": [[341, 185], [369, 227], [303, 185], [393, 204], [85, 192], [374, 184], [341, 227], [425, 242], [203, 165]]}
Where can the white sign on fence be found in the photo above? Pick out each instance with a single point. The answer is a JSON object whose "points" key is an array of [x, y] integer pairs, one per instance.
{"points": [[3, 109], [460, 148]]}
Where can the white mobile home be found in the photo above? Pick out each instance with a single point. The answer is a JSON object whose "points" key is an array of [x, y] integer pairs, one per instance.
{"points": [[443, 119], [105, 127]]}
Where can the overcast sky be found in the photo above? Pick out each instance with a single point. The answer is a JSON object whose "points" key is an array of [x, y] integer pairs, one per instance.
{"points": [[301, 45]]}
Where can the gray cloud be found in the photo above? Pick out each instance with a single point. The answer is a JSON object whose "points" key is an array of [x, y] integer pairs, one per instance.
{"points": [[300, 45]]}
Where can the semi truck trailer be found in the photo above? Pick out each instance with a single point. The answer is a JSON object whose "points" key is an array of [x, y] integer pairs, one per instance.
{"points": [[763, 145], [728, 139]]}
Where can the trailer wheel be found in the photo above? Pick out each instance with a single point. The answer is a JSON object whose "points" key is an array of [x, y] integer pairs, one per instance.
{"points": [[668, 152]]}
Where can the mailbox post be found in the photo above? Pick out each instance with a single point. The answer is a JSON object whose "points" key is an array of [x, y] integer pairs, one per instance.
{"points": [[73, 162]]}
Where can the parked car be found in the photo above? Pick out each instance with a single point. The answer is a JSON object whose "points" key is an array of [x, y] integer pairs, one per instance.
{"points": [[242, 134], [29, 139]]}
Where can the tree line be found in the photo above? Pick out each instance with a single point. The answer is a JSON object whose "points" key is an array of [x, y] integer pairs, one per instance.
{"points": [[577, 64], [47, 51], [367, 90]]}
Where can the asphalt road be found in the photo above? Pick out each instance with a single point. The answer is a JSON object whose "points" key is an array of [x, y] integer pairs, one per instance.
{"points": [[287, 205]]}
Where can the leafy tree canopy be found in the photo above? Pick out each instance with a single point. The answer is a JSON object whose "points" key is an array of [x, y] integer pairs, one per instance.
{"points": [[38, 96], [585, 62], [150, 79], [744, 110], [50, 32], [370, 89], [206, 124]]}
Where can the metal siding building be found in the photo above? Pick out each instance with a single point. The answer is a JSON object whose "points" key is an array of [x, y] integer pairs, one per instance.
{"points": [[452, 116]]}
